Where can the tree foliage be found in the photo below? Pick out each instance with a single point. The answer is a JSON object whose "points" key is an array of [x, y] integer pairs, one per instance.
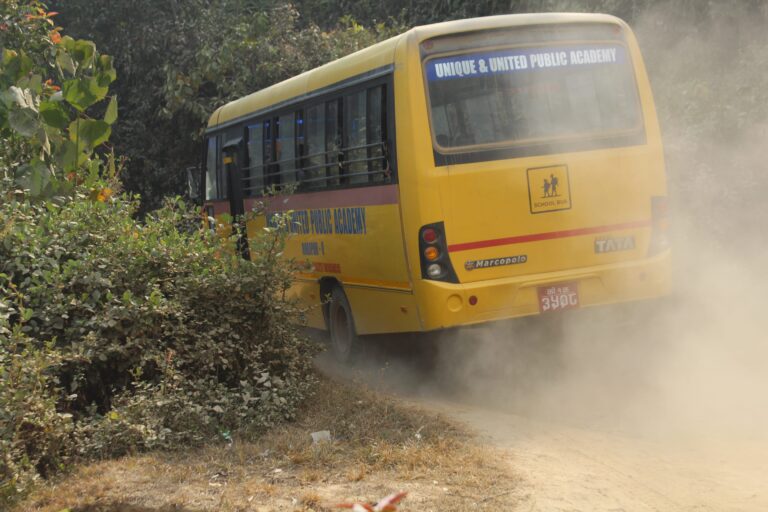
{"points": [[257, 52], [50, 90], [177, 62]]}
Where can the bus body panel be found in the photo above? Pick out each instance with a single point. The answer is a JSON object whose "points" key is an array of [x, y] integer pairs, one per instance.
{"points": [[307, 291], [389, 311], [445, 305], [487, 211], [354, 237], [610, 205], [486, 207]]}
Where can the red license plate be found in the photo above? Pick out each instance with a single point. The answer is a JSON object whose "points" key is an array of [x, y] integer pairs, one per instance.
{"points": [[558, 297]]}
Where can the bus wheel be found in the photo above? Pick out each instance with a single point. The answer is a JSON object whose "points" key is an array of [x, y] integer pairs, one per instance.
{"points": [[342, 327]]}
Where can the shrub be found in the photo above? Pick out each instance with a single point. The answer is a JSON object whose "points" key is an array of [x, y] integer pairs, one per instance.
{"points": [[117, 334], [122, 336], [34, 435]]}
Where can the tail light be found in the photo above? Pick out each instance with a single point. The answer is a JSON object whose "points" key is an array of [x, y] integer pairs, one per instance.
{"points": [[433, 248], [429, 235], [659, 225], [432, 253]]}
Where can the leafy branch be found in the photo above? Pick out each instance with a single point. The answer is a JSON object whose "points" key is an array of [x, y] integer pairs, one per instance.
{"points": [[57, 122]]}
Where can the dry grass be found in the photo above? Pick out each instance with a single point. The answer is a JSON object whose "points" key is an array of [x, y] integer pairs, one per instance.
{"points": [[377, 447]]}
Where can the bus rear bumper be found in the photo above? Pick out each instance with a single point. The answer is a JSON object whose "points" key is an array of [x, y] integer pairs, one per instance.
{"points": [[445, 305]]}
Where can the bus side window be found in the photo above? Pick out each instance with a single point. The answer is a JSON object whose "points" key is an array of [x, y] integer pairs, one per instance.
{"points": [[332, 141], [285, 149], [268, 154], [299, 150], [355, 138], [314, 163], [253, 177], [377, 123], [211, 182], [221, 174]]}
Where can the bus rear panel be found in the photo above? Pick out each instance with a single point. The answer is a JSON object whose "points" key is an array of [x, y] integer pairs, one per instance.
{"points": [[546, 153]]}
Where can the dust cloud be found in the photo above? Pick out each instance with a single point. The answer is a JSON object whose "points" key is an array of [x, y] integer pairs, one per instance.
{"points": [[694, 365]]}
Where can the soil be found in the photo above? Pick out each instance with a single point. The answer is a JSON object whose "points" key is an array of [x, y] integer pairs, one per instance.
{"points": [[564, 468], [377, 446], [620, 418]]}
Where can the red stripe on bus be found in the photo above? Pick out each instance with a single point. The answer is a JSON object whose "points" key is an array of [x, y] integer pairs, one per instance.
{"points": [[546, 236], [219, 207], [362, 196]]}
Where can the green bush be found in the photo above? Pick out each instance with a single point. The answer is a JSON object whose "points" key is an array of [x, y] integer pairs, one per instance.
{"points": [[121, 336], [34, 436], [116, 334]]}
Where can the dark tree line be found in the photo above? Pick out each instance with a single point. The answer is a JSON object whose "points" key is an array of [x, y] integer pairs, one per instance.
{"points": [[179, 60]]}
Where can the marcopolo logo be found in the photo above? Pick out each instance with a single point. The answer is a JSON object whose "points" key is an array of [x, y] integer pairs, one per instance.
{"points": [[495, 262]]}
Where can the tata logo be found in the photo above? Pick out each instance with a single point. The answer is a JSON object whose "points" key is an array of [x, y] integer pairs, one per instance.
{"points": [[614, 244]]}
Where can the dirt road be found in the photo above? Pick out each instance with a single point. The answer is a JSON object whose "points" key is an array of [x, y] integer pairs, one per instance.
{"points": [[567, 468], [605, 421]]}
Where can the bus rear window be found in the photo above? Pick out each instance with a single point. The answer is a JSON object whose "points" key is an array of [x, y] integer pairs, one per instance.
{"points": [[531, 95]]}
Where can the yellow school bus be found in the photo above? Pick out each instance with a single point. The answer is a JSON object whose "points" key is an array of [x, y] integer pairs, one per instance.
{"points": [[459, 173]]}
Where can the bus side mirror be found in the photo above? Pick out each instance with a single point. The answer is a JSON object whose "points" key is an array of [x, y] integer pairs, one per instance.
{"points": [[193, 183]]}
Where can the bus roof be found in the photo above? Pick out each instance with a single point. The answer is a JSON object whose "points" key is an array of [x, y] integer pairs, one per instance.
{"points": [[381, 55]]}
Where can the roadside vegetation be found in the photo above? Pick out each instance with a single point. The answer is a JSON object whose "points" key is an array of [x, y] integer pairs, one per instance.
{"points": [[376, 446], [118, 335]]}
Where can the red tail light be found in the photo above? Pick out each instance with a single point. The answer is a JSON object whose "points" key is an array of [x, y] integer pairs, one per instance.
{"points": [[435, 263], [429, 235]]}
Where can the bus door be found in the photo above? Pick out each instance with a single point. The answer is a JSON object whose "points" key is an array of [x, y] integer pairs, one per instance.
{"points": [[233, 153]]}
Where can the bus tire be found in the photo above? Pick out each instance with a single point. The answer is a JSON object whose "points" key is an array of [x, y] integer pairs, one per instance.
{"points": [[341, 324]]}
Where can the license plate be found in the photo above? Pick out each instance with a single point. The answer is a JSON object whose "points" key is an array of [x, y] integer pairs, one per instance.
{"points": [[558, 297]]}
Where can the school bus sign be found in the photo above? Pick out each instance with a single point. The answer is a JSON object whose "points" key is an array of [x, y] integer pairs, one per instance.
{"points": [[549, 189]]}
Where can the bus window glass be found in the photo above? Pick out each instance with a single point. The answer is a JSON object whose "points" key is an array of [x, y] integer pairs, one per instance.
{"points": [[440, 125], [376, 114], [482, 124], [314, 170], [253, 177], [268, 154], [526, 95], [211, 184], [356, 153], [285, 149], [332, 141], [221, 176], [300, 141]]}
